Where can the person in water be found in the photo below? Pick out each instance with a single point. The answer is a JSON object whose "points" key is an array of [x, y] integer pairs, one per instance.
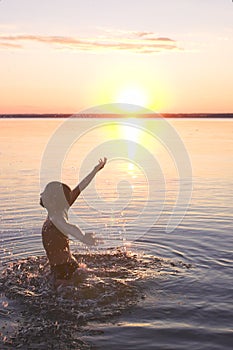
{"points": [[57, 198]]}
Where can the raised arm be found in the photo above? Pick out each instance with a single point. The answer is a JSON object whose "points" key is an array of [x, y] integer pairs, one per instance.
{"points": [[85, 182]]}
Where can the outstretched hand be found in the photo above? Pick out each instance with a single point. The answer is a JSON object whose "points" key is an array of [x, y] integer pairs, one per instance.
{"points": [[101, 164], [90, 239]]}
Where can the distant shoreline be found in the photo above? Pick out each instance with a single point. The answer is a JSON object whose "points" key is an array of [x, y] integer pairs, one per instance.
{"points": [[121, 115]]}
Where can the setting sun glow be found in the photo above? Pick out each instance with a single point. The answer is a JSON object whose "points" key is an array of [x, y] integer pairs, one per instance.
{"points": [[132, 95]]}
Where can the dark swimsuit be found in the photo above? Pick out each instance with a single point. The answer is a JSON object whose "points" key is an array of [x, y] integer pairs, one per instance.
{"points": [[64, 271], [55, 242]]}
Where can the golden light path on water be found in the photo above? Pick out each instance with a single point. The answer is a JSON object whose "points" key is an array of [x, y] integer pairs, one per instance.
{"points": [[132, 140], [130, 179]]}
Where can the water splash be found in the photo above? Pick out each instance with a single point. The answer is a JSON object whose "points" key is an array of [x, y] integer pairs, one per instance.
{"points": [[115, 281]]}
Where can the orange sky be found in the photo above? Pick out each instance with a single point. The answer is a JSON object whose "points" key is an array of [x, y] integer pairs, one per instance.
{"points": [[173, 57]]}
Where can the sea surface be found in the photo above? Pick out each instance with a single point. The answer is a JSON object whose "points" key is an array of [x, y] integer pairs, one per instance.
{"points": [[162, 274]]}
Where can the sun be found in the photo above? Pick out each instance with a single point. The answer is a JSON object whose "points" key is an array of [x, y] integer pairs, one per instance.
{"points": [[133, 95]]}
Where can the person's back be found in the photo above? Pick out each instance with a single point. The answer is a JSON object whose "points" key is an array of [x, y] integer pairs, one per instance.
{"points": [[62, 263], [55, 243]]}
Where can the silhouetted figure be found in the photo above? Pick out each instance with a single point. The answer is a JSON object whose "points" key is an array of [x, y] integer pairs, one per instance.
{"points": [[57, 198]]}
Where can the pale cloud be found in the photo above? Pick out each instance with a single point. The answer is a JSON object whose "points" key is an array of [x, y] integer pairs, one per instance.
{"points": [[9, 45], [125, 41]]}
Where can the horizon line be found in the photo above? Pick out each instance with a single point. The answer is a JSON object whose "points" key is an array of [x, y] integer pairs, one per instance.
{"points": [[116, 115]]}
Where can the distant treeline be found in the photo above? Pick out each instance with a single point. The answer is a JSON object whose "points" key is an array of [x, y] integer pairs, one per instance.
{"points": [[122, 115]]}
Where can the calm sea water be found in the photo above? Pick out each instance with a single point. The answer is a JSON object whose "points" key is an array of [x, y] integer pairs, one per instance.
{"points": [[182, 308]]}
